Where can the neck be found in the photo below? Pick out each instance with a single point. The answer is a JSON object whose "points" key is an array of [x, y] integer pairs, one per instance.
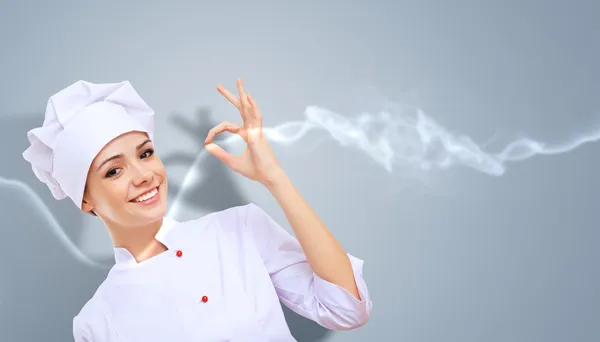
{"points": [[140, 241]]}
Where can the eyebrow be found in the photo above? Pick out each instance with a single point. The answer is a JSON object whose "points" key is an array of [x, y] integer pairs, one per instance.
{"points": [[121, 155]]}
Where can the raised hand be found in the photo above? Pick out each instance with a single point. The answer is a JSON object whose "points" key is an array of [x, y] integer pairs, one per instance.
{"points": [[258, 161]]}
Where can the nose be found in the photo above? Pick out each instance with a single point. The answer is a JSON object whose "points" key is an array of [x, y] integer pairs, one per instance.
{"points": [[141, 175]]}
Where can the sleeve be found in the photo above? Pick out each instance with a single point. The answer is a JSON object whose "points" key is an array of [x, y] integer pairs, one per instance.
{"points": [[92, 324], [297, 286], [81, 331]]}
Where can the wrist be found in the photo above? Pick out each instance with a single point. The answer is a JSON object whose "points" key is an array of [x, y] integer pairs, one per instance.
{"points": [[276, 179]]}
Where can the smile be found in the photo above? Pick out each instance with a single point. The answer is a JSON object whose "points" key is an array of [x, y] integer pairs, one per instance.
{"points": [[147, 197]]}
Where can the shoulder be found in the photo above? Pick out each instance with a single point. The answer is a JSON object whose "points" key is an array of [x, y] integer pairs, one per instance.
{"points": [[230, 219], [90, 311], [243, 225], [237, 225], [94, 318], [90, 318]]}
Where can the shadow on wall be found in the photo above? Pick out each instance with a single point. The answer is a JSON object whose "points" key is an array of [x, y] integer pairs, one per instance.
{"points": [[222, 193]]}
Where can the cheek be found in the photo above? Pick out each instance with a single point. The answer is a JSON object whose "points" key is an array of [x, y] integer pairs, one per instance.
{"points": [[159, 170], [114, 195], [116, 192], [120, 189]]}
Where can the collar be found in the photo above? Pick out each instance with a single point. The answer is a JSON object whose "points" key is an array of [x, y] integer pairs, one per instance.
{"points": [[164, 235]]}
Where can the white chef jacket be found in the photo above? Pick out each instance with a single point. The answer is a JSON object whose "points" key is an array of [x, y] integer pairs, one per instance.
{"points": [[241, 262]]}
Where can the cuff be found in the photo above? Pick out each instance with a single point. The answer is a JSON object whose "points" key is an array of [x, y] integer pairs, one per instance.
{"points": [[339, 300]]}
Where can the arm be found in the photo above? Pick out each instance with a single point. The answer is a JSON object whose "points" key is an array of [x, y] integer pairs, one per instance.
{"points": [[324, 253], [297, 285], [312, 275]]}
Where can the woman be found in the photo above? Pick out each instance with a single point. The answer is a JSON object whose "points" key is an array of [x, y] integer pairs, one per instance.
{"points": [[217, 278]]}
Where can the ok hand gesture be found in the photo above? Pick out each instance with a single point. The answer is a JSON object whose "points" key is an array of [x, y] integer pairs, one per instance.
{"points": [[258, 161]]}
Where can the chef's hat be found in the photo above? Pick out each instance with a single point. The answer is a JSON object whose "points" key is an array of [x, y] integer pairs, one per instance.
{"points": [[79, 121]]}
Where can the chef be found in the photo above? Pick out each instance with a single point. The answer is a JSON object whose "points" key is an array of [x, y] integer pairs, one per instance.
{"points": [[220, 277]]}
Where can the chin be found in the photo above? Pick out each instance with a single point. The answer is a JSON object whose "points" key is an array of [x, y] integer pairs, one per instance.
{"points": [[150, 216]]}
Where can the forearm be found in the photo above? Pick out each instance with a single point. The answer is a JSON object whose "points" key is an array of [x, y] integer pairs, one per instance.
{"points": [[324, 253]]}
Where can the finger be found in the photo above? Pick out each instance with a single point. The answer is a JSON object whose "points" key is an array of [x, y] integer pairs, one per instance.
{"points": [[224, 126], [229, 96], [244, 99], [222, 155], [255, 109]]}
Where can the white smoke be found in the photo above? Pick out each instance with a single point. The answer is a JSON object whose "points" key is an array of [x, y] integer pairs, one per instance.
{"points": [[9, 185], [413, 142]]}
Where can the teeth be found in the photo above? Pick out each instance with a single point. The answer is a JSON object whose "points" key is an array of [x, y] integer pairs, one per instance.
{"points": [[147, 196]]}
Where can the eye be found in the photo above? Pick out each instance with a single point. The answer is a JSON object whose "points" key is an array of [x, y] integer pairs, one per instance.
{"points": [[147, 154], [112, 172]]}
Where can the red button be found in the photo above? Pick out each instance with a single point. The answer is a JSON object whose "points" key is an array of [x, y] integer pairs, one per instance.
{"points": [[204, 299], [179, 254]]}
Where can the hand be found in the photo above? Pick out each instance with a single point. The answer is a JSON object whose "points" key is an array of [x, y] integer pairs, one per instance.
{"points": [[258, 161]]}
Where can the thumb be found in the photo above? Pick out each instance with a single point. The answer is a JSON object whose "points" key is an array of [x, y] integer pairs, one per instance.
{"points": [[221, 154]]}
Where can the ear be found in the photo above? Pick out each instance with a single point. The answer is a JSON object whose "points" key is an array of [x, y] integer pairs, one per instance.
{"points": [[87, 205]]}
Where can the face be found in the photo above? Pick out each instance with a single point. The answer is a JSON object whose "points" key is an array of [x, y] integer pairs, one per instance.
{"points": [[127, 182]]}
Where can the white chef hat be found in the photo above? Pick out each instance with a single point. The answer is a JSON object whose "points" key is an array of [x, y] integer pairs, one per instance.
{"points": [[79, 121]]}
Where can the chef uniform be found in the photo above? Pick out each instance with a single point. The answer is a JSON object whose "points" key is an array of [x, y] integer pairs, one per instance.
{"points": [[223, 275]]}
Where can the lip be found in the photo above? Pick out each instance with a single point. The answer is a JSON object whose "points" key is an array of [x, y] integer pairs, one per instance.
{"points": [[150, 201]]}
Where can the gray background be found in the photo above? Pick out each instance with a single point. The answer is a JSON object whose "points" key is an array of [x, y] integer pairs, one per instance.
{"points": [[463, 256]]}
